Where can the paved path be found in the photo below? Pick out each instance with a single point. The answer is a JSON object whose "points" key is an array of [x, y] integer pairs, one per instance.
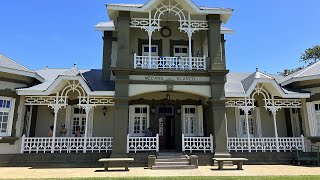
{"points": [[249, 170]]}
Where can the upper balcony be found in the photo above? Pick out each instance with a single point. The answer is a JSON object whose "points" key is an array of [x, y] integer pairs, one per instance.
{"points": [[169, 63]]}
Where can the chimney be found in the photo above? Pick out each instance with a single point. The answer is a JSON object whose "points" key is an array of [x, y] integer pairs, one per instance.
{"points": [[285, 72]]}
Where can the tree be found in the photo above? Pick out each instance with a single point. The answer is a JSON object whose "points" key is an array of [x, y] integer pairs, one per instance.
{"points": [[309, 57]]}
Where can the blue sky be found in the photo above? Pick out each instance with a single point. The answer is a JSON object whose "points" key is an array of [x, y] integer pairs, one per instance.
{"points": [[270, 34]]}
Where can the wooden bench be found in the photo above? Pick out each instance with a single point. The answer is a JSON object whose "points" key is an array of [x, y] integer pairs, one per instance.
{"points": [[238, 161], [308, 156], [125, 161]]}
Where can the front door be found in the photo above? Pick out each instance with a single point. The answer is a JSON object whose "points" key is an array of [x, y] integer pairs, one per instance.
{"points": [[166, 125]]}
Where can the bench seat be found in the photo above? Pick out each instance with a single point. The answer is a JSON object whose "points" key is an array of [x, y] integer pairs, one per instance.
{"points": [[238, 161], [125, 161]]}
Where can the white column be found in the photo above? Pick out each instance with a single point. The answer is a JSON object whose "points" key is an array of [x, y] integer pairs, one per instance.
{"points": [[190, 41], [150, 40], [246, 111], [56, 110], [87, 107], [274, 114]]}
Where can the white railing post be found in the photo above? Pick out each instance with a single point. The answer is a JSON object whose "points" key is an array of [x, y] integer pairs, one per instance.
{"points": [[135, 60], [128, 144], [204, 62], [211, 142], [23, 138], [302, 141], [183, 145], [157, 143]]}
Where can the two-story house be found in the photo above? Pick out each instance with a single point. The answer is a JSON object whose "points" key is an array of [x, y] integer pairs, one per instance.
{"points": [[164, 69]]}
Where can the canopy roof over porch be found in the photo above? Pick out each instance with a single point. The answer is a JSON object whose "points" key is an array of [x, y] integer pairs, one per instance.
{"points": [[90, 80]]}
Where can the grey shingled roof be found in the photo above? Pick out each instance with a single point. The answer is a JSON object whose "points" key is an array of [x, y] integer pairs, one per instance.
{"points": [[92, 77], [307, 72], [6, 62]]}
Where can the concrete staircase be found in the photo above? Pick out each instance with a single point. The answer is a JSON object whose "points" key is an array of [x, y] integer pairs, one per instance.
{"points": [[172, 161]]}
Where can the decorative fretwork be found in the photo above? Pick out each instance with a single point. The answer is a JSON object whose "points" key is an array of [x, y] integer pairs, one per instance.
{"points": [[97, 101], [197, 143], [266, 144], [240, 102], [144, 23], [283, 103], [142, 144], [46, 100], [65, 144], [195, 25]]}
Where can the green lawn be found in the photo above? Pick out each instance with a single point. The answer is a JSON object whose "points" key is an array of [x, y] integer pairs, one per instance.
{"points": [[206, 178]]}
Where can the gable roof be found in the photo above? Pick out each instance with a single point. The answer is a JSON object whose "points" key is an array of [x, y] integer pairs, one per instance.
{"points": [[224, 12], [91, 78], [242, 85], [308, 73], [8, 65]]}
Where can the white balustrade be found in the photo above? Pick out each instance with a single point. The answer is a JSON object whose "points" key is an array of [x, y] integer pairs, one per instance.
{"points": [[172, 63], [197, 143], [135, 144], [267, 144], [65, 144]]}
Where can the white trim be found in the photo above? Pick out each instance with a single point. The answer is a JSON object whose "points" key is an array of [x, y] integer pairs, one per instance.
{"points": [[22, 73], [51, 89], [296, 79]]}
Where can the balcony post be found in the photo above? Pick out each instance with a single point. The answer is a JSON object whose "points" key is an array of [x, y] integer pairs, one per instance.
{"points": [[150, 40], [87, 108], [246, 111], [274, 114], [190, 41]]}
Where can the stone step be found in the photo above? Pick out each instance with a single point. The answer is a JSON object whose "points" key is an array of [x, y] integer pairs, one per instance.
{"points": [[173, 167], [171, 163], [173, 160]]}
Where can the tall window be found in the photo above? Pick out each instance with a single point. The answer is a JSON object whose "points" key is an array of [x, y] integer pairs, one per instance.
{"points": [[139, 119], [78, 120], [317, 117], [242, 125], [192, 120], [6, 115]]}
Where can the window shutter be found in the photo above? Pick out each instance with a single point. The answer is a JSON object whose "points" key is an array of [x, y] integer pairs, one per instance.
{"points": [[90, 123], [238, 123], [131, 119], [312, 119], [183, 119], [200, 119], [257, 119], [67, 121]]}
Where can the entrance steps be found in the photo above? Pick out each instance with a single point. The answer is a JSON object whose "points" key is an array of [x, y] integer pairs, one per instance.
{"points": [[172, 161]]}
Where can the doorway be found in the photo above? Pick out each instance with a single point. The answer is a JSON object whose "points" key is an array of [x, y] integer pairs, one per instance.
{"points": [[166, 126]]}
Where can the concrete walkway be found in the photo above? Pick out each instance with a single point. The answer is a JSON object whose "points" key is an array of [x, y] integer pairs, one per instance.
{"points": [[249, 170]]}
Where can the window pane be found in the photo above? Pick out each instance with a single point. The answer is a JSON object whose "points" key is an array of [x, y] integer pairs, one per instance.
{"points": [[184, 50], [8, 104], [154, 49], [192, 110], [176, 50], [1, 103], [145, 110], [146, 49]]}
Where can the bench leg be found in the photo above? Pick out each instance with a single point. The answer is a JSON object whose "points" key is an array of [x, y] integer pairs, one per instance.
{"points": [[220, 165], [239, 165], [126, 166], [106, 166]]}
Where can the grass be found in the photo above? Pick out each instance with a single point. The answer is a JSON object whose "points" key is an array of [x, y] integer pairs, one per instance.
{"points": [[205, 178]]}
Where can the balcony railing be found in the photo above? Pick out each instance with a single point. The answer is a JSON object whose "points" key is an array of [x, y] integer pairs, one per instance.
{"points": [[169, 63], [65, 144], [204, 144], [267, 144], [135, 144]]}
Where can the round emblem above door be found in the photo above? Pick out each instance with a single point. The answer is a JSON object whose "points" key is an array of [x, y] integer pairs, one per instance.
{"points": [[165, 31]]}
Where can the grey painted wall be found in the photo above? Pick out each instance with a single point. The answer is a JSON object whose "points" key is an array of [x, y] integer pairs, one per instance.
{"points": [[103, 125]]}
